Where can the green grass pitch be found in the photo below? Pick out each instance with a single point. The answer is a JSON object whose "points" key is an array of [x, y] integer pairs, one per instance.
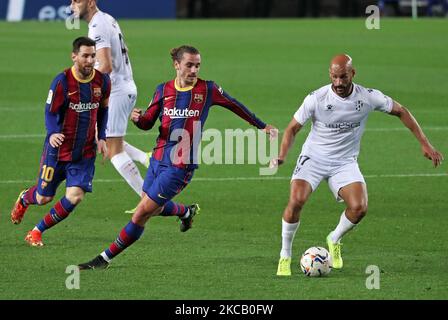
{"points": [[232, 251]]}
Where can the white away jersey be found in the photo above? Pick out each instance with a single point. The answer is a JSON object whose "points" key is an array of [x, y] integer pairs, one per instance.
{"points": [[338, 123], [106, 32]]}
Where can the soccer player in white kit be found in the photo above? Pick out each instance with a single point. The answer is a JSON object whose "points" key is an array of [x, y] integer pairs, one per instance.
{"points": [[112, 57], [338, 112]]}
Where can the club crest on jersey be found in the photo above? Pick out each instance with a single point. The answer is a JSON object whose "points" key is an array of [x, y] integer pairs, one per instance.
{"points": [[329, 107], [359, 104], [97, 92], [198, 98]]}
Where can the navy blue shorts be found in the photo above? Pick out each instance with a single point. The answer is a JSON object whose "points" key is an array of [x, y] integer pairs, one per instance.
{"points": [[53, 172], [164, 182]]}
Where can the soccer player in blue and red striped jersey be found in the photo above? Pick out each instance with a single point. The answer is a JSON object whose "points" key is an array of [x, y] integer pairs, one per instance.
{"points": [[75, 119], [182, 106]]}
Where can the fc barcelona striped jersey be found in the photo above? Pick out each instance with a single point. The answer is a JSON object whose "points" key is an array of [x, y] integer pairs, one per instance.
{"points": [[76, 108], [182, 111]]}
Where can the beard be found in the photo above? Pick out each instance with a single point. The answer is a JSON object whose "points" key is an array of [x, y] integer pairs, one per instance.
{"points": [[79, 14], [343, 89], [86, 71]]}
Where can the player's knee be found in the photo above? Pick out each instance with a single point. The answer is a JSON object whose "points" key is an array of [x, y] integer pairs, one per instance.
{"points": [[75, 198], [359, 210], [114, 147], [41, 200], [296, 203], [140, 218], [142, 215]]}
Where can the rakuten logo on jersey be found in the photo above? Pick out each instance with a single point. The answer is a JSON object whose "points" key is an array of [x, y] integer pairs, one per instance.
{"points": [[81, 107], [180, 113]]}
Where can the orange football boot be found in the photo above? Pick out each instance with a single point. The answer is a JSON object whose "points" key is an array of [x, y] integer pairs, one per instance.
{"points": [[34, 238], [19, 209]]}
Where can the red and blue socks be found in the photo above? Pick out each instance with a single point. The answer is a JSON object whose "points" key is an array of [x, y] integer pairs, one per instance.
{"points": [[29, 197], [175, 209], [131, 233], [59, 212]]}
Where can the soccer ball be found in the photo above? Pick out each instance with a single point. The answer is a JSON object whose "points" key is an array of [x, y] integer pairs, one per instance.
{"points": [[316, 262]]}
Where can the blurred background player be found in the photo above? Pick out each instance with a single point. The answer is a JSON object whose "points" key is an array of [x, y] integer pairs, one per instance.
{"points": [[77, 107], [112, 58], [339, 113], [182, 105]]}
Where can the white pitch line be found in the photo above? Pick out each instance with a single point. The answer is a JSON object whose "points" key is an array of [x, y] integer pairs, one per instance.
{"points": [[405, 129], [41, 136], [154, 133], [374, 176]]}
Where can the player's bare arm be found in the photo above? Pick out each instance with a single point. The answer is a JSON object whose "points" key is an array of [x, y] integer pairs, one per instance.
{"points": [[102, 148], [288, 139], [104, 58], [411, 123]]}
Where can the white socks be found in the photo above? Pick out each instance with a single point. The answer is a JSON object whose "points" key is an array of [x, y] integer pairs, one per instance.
{"points": [[129, 171], [135, 154], [105, 257], [288, 233], [186, 215], [342, 228]]}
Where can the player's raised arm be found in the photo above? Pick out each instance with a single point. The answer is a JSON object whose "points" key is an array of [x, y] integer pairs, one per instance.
{"points": [[411, 123]]}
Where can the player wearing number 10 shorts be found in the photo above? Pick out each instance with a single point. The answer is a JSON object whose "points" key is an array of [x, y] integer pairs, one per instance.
{"points": [[76, 108]]}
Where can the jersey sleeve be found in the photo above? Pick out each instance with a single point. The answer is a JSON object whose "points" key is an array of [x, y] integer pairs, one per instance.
{"points": [[57, 94], [149, 118], [379, 101], [99, 33], [107, 86], [306, 110], [55, 101], [221, 98], [103, 111]]}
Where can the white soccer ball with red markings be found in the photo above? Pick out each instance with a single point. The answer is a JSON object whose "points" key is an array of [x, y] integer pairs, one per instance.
{"points": [[316, 262]]}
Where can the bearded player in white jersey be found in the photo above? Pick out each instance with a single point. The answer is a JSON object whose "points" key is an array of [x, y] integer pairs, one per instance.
{"points": [[112, 57], [338, 112]]}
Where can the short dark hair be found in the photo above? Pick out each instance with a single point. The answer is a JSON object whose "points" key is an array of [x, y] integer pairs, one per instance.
{"points": [[178, 53], [82, 41]]}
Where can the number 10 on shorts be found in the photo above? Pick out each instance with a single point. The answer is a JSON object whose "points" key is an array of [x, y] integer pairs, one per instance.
{"points": [[47, 173]]}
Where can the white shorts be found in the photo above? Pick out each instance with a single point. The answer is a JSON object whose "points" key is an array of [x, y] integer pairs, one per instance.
{"points": [[120, 107], [337, 175]]}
